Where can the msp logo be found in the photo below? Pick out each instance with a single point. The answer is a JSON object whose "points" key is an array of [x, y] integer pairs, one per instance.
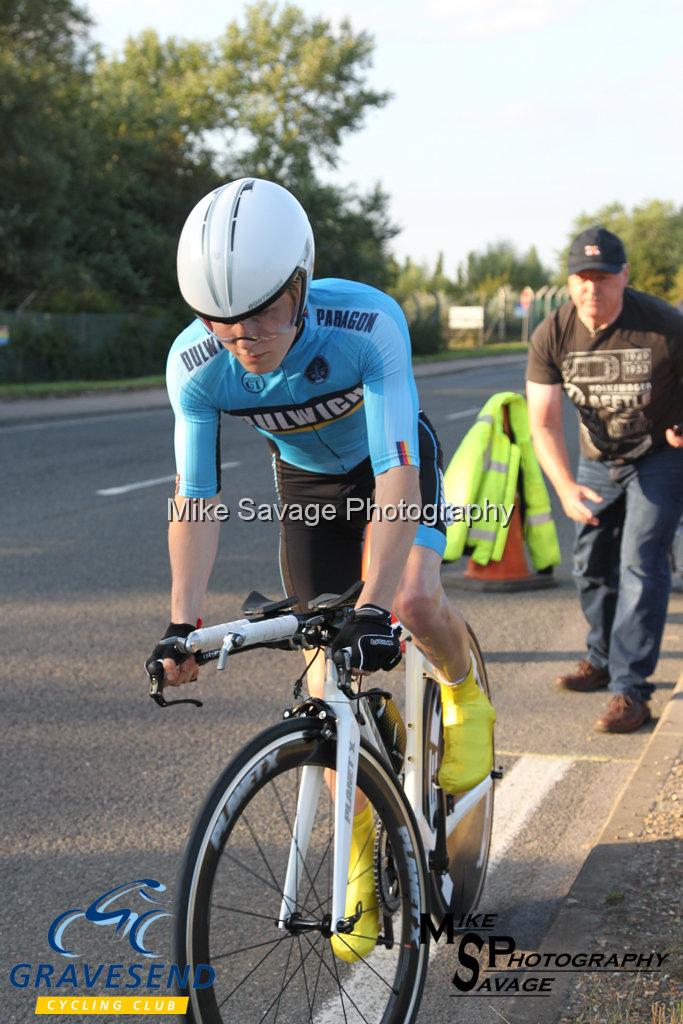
{"points": [[125, 921], [253, 382], [318, 370]]}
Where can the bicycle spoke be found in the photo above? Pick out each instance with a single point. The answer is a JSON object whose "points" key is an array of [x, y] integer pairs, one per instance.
{"points": [[303, 971], [245, 949], [317, 872], [284, 975], [247, 913], [263, 856], [250, 871], [255, 968], [367, 962], [317, 978], [286, 985]]}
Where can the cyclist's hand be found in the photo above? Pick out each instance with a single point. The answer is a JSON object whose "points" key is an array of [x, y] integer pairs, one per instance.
{"points": [[373, 641], [179, 667]]}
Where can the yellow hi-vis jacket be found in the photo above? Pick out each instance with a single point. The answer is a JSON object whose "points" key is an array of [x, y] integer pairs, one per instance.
{"points": [[485, 472]]}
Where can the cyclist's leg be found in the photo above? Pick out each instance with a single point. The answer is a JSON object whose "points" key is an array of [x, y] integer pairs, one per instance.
{"points": [[326, 557], [441, 633]]}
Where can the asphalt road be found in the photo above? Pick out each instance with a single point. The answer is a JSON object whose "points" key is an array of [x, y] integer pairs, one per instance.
{"points": [[100, 786]]}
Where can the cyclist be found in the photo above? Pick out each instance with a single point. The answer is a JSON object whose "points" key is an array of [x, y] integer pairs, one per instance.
{"points": [[322, 369]]}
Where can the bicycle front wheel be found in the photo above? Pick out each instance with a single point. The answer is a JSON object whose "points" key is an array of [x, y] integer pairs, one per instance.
{"points": [[230, 896]]}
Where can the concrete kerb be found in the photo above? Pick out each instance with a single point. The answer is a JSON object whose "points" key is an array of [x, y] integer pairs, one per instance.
{"points": [[113, 402], [577, 924]]}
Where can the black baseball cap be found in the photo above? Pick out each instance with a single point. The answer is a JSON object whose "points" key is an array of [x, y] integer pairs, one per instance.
{"points": [[596, 249]]}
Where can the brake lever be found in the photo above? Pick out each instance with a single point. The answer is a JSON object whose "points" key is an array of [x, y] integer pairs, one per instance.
{"points": [[155, 671]]}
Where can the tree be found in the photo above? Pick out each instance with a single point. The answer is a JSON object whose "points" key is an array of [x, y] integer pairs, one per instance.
{"points": [[291, 88], [105, 156], [500, 264], [44, 60], [653, 237]]}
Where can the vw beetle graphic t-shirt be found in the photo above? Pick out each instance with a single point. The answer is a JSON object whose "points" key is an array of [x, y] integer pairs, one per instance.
{"points": [[626, 380]]}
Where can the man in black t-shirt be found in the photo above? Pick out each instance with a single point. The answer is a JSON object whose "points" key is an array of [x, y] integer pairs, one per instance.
{"points": [[618, 355]]}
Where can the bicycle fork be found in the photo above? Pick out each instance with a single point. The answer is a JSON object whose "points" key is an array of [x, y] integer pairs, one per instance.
{"points": [[312, 776]]}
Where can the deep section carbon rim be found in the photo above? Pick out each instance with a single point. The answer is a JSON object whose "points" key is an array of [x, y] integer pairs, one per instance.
{"points": [[231, 890]]}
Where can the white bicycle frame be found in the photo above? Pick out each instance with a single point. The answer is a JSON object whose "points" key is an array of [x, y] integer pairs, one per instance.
{"points": [[243, 633]]}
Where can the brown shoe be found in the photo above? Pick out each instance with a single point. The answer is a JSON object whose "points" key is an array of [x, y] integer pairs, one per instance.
{"points": [[624, 714], [585, 679]]}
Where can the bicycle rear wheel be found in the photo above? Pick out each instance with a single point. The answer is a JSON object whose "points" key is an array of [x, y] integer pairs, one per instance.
{"points": [[457, 889], [231, 888]]}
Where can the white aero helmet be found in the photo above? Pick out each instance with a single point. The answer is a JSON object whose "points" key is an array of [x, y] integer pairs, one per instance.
{"points": [[241, 247]]}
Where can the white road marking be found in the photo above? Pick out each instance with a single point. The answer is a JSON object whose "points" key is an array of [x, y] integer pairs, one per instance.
{"points": [[517, 798], [461, 415], [108, 492]]}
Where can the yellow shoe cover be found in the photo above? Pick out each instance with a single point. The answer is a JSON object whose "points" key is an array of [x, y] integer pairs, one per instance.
{"points": [[468, 718], [361, 889]]}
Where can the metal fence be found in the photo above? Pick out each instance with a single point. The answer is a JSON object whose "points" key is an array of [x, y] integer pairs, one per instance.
{"points": [[89, 346], [505, 317]]}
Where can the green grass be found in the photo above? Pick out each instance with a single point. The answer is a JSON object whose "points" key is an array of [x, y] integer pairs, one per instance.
{"points": [[59, 388], [498, 348], [76, 387]]}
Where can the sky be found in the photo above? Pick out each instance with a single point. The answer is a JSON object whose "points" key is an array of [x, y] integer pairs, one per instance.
{"points": [[508, 119]]}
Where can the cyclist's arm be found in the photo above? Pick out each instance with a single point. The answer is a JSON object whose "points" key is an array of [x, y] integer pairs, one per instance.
{"points": [[391, 411], [192, 545], [192, 549], [391, 541]]}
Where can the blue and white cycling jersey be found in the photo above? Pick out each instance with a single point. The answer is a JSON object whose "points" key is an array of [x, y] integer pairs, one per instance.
{"points": [[345, 390]]}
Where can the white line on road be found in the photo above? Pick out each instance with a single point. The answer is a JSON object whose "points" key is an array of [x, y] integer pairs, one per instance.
{"points": [[461, 415], [108, 492], [518, 796]]}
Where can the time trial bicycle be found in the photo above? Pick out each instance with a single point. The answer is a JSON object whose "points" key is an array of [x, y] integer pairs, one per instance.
{"points": [[262, 887]]}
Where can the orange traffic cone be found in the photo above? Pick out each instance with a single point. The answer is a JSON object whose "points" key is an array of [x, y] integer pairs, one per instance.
{"points": [[512, 571]]}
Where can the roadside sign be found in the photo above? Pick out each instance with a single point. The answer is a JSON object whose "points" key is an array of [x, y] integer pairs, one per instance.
{"points": [[4, 334], [526, 297], [465, 318]]}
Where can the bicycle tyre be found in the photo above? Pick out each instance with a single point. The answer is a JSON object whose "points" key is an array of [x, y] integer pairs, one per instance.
{"points": [[263, 776], [457, 890]]}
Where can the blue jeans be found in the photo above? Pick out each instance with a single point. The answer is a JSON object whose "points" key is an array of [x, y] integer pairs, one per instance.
{"points": [[622, 565]]}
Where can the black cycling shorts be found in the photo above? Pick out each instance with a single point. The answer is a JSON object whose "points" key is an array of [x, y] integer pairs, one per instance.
{"points": [[323, 555]]}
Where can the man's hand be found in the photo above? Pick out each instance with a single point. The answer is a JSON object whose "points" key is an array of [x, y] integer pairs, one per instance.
{"points": [[179, 667], [572, 496], [373, 641], [675, 439]]}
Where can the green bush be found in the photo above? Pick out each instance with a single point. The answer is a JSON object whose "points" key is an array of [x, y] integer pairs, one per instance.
{"points": [[426, 336], [88, 348], [40, 352]]}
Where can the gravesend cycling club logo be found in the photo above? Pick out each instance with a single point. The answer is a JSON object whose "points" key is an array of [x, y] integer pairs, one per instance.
{"points": [[126, 915], [125, 921], [253, 382]]}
